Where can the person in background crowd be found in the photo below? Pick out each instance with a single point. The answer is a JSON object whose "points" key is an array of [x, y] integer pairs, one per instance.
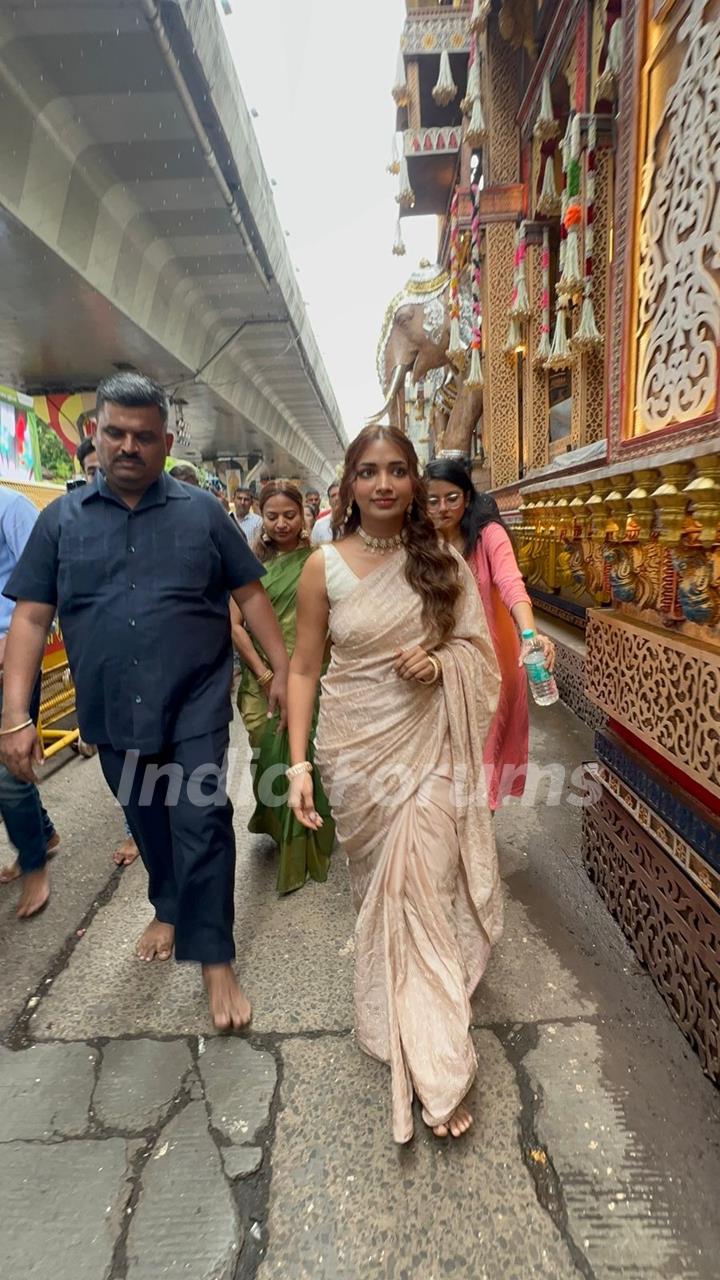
{"points": [[309, 518], [471, 523], [127, 851], [87, 458], [312, 499], [185, 472], [404, 711], [283, 548], [28, 826], [243, 516], [322, 529], [140, 568]]}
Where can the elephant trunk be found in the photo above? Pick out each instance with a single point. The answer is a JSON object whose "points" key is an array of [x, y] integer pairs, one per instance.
{"points": [[396, 383]]}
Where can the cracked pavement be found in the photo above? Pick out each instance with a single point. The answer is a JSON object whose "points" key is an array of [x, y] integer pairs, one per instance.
{"points": [[137, 1145]]}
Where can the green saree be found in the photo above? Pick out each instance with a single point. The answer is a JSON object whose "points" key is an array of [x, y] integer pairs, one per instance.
{"points": [[303, 854]]}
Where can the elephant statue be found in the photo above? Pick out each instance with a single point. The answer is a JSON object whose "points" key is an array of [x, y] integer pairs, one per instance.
{"points": [[414, 339]]}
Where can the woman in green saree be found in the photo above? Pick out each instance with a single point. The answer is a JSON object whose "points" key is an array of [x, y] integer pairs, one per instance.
{"points": [[283, 547]]}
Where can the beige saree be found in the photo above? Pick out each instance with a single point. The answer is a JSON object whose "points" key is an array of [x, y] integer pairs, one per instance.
{"points": [[402, 766]]}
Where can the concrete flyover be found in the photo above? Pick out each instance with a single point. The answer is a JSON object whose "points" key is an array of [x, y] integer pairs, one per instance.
{"points": [[138, 227]]}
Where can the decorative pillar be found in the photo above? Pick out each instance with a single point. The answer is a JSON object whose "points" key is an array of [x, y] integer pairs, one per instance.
{"points": [[537, 415], [592, 364], [501, 158]]}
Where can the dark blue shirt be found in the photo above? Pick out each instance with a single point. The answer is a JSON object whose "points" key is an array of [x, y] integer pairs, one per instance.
{"points": [[142, 598]]}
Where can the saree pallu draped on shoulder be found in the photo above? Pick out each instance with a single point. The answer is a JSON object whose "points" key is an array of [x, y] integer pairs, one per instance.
{"points": [[402, 765]]}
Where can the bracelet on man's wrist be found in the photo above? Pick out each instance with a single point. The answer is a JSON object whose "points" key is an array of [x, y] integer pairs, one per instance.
{"points": [[17, 727]]}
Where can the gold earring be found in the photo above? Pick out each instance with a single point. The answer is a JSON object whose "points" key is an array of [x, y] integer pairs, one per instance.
{"points": [[348, 512]]}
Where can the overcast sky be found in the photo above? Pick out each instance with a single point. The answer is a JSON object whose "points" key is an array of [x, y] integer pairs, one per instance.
{"points": [[319, 74]]}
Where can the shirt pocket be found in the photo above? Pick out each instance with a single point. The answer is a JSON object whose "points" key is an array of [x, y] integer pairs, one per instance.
{"points": [[192, 565], [82, 565]]}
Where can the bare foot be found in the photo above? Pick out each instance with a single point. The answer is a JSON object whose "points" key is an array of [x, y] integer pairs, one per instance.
{"points": [[126, 853], [13, 872], [157, 942], [457, 1125], [35, 893], [229, 1005]]}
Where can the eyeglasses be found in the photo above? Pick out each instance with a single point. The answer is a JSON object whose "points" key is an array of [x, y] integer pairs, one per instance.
{"points": [[448, 500]]}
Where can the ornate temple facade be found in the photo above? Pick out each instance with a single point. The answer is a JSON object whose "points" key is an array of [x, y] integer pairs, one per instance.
{"points": [[567, 340]]}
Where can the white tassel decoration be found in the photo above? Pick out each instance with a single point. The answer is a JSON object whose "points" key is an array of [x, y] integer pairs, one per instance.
{"points": [[542, 351], [445, 89], [549, 202], [480, 15], [455, 345], [405, 196], [546, 126], [398, 243], [616, 48], [588, 336], [473, 88], [476, 130], [560, 355], [514, 338], [607, 83], [475, 374], [394, 165], [522, 309], [400, 89]]}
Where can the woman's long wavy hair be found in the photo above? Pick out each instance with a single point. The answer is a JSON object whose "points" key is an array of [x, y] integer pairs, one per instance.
{"points": [[431, 570], [481, 510], [264, 546]]}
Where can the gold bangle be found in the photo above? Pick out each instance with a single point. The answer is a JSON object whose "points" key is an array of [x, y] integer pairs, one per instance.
{"points": [[16, 729], [436, 670], [296, 770], [266, 678]]}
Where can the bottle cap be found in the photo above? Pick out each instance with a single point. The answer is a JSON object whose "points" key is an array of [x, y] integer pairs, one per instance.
{"points": [[528, 634]]}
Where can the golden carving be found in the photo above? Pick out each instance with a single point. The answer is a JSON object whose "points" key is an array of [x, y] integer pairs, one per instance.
{"points": [[663, 687]]}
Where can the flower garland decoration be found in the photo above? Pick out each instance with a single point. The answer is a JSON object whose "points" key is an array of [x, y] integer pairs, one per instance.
{"points": [[400, 88], [398, 243], [394, 165], [546, 131], [455, 346], [445, 89], [480, 15], [476, 130], [542, 353], [475, 375], [405, 195], [546, 126], [560, 354], [572, 280], [520, 304], [514, 333], [588, 337], [608, 81]]}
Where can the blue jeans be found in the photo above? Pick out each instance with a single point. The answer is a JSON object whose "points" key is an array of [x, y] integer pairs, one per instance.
{"points": [[27, 824]]}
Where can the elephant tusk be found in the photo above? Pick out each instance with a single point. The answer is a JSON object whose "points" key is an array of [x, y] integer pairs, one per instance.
{"points": [[398, 377]]}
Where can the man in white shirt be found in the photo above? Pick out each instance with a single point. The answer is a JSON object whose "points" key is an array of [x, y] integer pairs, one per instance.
{"points": [[322, 529], [244, 516]]}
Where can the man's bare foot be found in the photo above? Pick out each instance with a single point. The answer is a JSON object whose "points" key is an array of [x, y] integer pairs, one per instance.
{"points": [[35, 893], [13, 872], [457, 1125], [126, 853], [229, 1006], [157, 942]]}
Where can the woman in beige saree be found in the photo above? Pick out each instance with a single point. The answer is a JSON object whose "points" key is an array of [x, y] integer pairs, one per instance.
{"points": [[404, 711]]}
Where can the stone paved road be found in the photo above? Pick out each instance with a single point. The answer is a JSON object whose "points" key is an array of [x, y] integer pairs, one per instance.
{"points": [[136, 1144]]}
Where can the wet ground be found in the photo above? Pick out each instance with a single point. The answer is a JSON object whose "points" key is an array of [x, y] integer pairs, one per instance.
{"points": [[137, 1144]]}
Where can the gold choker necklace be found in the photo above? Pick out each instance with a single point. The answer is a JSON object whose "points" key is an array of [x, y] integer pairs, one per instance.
{"points": [[379, 546]]}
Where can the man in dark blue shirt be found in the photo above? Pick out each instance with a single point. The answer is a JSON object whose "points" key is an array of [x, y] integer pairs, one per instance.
{"points": [[139, 567]]}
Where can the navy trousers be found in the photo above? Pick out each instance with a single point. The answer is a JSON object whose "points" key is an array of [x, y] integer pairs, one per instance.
{"points": [[178, 811], [27, 824]]}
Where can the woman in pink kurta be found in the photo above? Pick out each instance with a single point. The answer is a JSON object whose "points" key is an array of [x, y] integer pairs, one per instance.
{"points": [[471, 522]]}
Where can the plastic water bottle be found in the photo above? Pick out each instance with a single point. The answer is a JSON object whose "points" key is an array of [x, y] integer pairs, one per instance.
{"points": [[542, 683]]}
